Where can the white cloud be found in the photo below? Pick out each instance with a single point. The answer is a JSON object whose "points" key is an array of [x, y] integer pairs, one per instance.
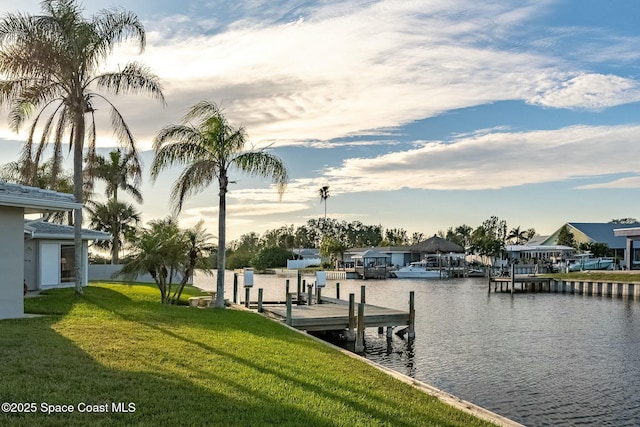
{"points": [[349, 68], [497, 160], [589, 91]]}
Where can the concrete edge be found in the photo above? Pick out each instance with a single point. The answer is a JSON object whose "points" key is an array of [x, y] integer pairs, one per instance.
{"points": [[456, 402]]}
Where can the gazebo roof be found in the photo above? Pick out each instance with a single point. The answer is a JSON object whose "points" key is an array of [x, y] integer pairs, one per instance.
{"points": [[437, 245]]}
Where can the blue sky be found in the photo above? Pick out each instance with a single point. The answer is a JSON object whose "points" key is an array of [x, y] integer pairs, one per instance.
{"points": [[417, 114]]}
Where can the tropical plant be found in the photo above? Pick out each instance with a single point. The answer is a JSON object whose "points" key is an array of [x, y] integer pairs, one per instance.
{"points": [[165, 252], [271, 257], [566, 237], [210, 148], [517, 236], [324, 195], [116, 171], [51, 63], [116, 218]]}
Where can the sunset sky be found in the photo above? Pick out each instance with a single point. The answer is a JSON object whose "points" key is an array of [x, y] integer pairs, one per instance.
{"points": [[417, 114]]}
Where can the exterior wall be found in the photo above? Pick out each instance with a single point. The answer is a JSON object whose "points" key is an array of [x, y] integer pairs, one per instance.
{"points": [[11, 262], [31, 264], [105, 272], [48, 264]]}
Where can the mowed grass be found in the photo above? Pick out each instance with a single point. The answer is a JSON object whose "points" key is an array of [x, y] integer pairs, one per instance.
{"points": [[182, 366], [599, 276]]}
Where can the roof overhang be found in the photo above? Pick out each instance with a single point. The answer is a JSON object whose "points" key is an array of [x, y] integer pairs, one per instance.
{"points": [[632, 233], [36, 200]]}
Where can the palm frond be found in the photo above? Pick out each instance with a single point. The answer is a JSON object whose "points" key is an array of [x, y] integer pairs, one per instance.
{"points": [[265, 165], [134, 78], [195, 178]]}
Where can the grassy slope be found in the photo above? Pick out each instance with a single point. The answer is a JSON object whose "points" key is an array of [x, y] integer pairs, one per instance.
{"points": [[599, 276], [183, 366]]}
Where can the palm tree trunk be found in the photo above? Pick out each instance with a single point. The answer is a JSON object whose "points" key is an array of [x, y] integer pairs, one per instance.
{"points": [[78, 140], [222, 216]]}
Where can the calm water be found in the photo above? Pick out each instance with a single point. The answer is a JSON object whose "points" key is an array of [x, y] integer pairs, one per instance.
{"points": [[539, 359]]}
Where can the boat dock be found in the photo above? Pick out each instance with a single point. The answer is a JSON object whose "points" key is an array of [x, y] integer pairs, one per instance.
{"points": [[528, 283], [314, 312]]}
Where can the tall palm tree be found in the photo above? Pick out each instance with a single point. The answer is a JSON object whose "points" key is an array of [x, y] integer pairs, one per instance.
{"points": [[116, 171], [51, 63], [517, 236], [116, 218], [324, 195], [210, 148]]}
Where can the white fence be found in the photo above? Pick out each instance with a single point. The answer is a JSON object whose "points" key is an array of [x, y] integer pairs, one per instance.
{"points": [[105, 272], [302, 263]]}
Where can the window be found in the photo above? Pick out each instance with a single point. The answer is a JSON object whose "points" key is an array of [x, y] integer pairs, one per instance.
{"points": [[67, 264]]}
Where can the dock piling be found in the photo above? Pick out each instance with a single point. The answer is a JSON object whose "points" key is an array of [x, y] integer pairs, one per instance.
{"points": [[362, 294], [235, 288], [412, 315], [359, 347], [288, 318], [309, 293], [351, 336], [247, 292], [286, 287], [259, 300], [338, 290]]}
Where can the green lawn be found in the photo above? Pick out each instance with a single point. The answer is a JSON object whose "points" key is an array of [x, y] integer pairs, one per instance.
{"points": [[599, 276], [183, 366]]}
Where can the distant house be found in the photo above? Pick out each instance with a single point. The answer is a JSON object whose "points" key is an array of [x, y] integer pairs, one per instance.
{"points": [[49, 255], [592, 232], [16, 201], [395, 255]]}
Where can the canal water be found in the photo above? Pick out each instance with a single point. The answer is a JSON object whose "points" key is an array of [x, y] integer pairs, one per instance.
{"points": [[538, 359]]}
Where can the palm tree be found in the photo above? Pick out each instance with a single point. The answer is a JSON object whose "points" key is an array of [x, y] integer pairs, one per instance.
{"points": [[116, 218], [517, 236], [324, 195], [210, 148], [51, 63], [116, 171]]}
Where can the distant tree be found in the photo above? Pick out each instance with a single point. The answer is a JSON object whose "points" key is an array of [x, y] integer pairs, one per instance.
{"points": [[517, 236], [273, 257], [416, 237], [624, 221], [597, 249], [239, 259], [530, 233], [116, 218], [566, 238], [324, 195], [394, 237], [118, 171], [332, 247]]}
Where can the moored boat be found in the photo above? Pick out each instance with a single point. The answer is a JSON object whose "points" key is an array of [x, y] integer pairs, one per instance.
{"points": [[585, 263], [418, 270]]}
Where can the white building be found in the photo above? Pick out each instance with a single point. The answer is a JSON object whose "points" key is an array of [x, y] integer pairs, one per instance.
{"points": [[16, 201]]}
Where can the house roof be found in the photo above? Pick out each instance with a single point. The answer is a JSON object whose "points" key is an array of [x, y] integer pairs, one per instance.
{"points": [[48, 230], [435, 244], [35, 200], [597, 232], [372, 253]]}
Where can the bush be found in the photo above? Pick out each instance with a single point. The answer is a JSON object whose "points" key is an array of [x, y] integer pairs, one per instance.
{"points": [[271, 258], [238, 260]]}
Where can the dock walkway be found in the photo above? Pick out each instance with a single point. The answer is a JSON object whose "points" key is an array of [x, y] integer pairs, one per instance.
{"points": [[333, 314]]}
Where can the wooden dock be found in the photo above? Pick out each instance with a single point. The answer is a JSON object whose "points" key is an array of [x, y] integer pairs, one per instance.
{"points": [[528, 283], [333, 314]]}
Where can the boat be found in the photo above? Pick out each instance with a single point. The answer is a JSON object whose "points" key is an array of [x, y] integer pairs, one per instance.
{"points": [[418, 270], [587, 263]]}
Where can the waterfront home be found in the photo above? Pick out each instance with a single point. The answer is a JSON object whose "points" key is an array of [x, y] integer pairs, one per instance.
{"points": [[590, 232], [16, 201]]}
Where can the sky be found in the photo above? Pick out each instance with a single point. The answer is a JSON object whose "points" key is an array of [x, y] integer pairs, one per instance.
{"points": [[418, 114]]}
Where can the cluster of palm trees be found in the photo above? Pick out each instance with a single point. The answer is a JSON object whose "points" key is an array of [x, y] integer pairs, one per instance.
{"points": [[51, 68]]}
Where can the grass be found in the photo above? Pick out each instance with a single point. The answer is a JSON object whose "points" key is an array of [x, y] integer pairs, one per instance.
{"points": [[182, 366], [598, 276]]}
